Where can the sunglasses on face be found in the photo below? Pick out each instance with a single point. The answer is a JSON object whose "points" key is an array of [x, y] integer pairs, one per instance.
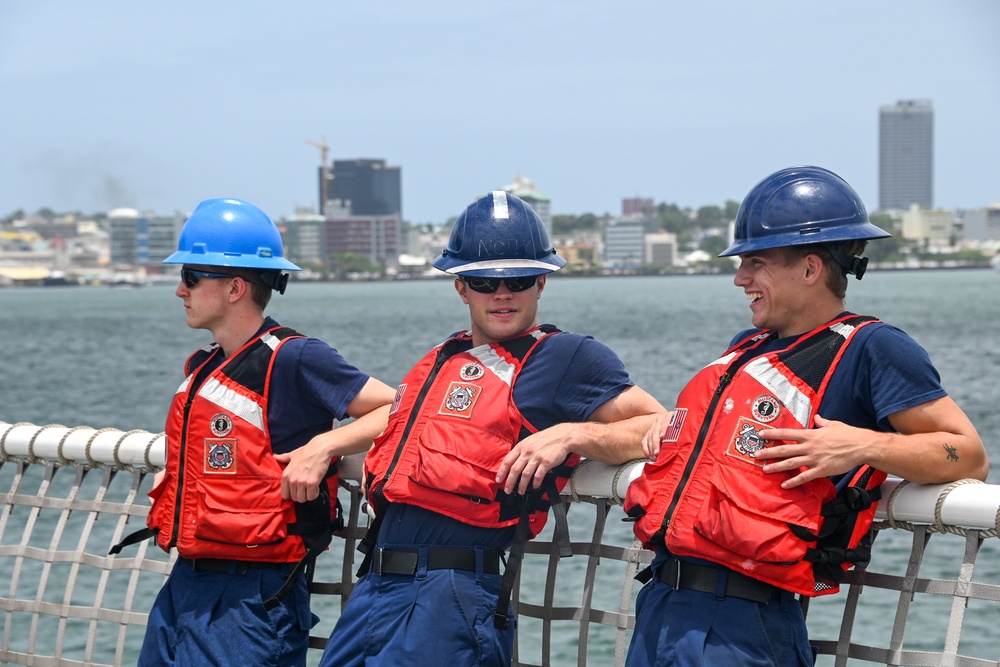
{"points": [[491, 285], [190, 277]]}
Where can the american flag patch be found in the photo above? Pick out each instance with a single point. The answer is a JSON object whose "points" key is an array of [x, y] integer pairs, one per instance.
{"points": [[400, 390], [673, 432]]}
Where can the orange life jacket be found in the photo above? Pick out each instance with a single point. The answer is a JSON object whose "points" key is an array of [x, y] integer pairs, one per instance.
{"points": [[706, 495], [451, 424], [221, 494]]}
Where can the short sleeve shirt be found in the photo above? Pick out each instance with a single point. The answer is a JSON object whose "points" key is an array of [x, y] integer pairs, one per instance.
{"points": [[312, 386]]}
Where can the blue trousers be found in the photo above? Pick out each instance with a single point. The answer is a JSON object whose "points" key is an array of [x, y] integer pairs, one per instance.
{"points": [[429, 619], [217, 619], [686, 628]]}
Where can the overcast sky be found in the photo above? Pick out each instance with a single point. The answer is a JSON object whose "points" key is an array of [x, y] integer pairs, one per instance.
{"points": [[158, 105]]}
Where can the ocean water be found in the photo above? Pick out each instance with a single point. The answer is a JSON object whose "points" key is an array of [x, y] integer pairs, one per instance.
{"points": [[100, 356]]}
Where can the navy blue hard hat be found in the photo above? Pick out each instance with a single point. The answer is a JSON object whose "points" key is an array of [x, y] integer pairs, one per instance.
{"points": [[797, 206], [499, 236], [231, 232]]}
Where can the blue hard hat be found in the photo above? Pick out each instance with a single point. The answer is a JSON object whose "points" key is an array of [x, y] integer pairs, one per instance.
{"points": [[800, 205], [499, 236], [231, 232]]}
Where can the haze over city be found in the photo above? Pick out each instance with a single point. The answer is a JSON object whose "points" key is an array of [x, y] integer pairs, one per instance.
{"points": [[158, 106]]}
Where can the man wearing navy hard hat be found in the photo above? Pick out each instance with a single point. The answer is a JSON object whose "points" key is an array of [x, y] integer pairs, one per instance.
{"points": [[483, 434], [762, 482]]}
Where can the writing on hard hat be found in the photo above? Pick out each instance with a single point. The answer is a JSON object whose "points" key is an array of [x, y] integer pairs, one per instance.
{"points": [[797, 206], [499, 235]]}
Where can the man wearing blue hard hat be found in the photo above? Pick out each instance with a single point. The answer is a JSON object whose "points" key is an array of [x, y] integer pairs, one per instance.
{"points": [[482, 435], [762, 483], [245, 531]]}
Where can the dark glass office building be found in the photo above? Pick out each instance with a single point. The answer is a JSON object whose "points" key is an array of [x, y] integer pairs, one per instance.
{"points": [[366, 187]]}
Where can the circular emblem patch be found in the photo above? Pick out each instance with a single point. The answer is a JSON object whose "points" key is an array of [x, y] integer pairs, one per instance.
{"points": [[471, 371], [222, 425], [460, 398], [765, 408]]}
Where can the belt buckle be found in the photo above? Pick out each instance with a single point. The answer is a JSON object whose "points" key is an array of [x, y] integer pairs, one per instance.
{"points": [[395, 561], [377, 561], [676, 583]]}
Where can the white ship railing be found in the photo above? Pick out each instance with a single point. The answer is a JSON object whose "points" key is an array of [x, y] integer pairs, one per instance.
{"points": [[69, 493]]}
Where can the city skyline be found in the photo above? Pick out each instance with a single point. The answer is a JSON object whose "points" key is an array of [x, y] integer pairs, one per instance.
{"points": [[158, 107]]}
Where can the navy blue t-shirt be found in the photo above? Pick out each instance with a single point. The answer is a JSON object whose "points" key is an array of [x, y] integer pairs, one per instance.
{"points": [[311, 387], [883, 371], [565, 379]]}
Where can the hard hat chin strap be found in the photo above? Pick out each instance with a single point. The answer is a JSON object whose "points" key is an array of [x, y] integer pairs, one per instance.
{"points": [[275, 280], [849, 263]]}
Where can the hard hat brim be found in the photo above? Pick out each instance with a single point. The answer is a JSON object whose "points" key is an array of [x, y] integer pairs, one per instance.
{"points": [[231, 261], [499, 268], [864, 232]]}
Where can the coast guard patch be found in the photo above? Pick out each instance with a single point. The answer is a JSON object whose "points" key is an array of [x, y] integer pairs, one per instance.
{"points": [[765, 408], [746, 441], [460, 400], [220, 456], [471, 371], [221, 425]]}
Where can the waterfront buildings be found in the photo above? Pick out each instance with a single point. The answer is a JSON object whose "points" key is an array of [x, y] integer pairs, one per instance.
{"points": [[982, 224], [624, 244], [526, 190], [365, 187], [660, 250], [377, 238], [906, 155], [142, 239], [363, 216], [303, 235], [929, 227]]}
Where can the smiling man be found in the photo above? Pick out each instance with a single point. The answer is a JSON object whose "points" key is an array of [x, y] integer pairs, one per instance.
{"points": [[482, 435], [762, 483]]}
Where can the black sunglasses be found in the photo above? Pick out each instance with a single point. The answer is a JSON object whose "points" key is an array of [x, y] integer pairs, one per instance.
{"points": [[273, 279], [491, 285], [190, 277]]}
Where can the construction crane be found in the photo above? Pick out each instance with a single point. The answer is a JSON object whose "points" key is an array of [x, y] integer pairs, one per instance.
{"points": [[324, 150]]}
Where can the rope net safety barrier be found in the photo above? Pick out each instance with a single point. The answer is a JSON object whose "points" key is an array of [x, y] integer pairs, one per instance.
{"points": [[70, 493]]}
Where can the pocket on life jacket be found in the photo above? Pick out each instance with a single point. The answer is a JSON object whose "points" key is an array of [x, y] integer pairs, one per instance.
{"points": [[242, 510], [461, 461], [155, 509], [748, 513]]}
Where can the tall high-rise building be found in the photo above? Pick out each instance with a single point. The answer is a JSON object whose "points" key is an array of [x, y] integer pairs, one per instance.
{"points": [[365, 187], [906, 155]]}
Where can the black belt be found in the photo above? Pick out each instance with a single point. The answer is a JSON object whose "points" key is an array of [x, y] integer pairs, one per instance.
{"points": [[405, 561], [237, 567], [705, 578]]}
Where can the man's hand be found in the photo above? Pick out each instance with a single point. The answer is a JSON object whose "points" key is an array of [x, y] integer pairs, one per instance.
{"points": [[528, 462], [652, 441], [306, 469], [831, 448]]}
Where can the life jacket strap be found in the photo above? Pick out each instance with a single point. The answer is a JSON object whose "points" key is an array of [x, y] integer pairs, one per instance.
{"points": [[134, 538], [545, 497]]}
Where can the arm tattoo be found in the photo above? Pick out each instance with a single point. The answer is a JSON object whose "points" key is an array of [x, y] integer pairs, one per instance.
{"points": [[952, 452]]}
